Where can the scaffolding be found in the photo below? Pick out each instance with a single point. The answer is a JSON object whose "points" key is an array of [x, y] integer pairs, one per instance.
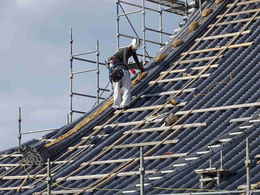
{"points": [[178, 7], [73, 73]]}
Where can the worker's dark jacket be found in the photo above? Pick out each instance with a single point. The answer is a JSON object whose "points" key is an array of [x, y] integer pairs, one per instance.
{"points": [[122, 55]]}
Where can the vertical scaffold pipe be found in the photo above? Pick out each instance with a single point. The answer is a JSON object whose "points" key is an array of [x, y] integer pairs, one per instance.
{"points": [[49, 179], [71, 75], [247, 164], [144, 32], [98, 73], [161, 22], [142, 171], [19, 128], [117, 24]]}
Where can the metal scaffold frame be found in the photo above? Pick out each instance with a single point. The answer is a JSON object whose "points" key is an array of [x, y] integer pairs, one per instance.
{"points": [[143, 9], [73, 73]]}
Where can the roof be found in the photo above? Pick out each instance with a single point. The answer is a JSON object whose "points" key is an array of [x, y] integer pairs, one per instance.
{"points": [[214, 78]]}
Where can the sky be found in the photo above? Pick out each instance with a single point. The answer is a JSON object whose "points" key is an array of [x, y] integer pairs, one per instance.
{"points": [[35, 52]]}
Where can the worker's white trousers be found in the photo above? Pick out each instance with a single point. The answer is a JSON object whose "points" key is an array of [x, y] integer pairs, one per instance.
{"points": [[122, 91]]}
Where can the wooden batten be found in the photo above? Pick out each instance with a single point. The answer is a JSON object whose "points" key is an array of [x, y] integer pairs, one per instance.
{"points": [[176, 43]]}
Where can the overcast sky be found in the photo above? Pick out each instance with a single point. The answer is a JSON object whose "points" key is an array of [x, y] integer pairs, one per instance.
{"points": [[34, 51]]}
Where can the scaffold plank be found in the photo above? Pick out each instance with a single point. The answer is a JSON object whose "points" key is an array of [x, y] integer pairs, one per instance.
{"points": [[223, 36], [143, 144]]}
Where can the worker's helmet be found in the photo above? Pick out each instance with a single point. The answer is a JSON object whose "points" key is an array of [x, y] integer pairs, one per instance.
{"points": [[135, 44]]}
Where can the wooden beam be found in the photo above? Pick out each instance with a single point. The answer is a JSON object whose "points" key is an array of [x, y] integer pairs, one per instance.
{"points": [[123, 146], [98, 136], [180, 78], [145, 108], [10, 155], [97, 176], [16, 188], [234, 21], [126, 124], [80, 147], [13, 177], [169, 92], [198, 60], [193, 68], [239, 13], [234, 46], [237, 106], [253, 186], [130, 159], [243, 3], [223, 36], [243, 119], [165, 128]]}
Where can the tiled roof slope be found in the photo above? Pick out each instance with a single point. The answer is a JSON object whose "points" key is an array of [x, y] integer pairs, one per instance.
{"points": [[214, 76]]}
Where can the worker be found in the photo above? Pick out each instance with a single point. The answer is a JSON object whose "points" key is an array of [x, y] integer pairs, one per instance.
{"points": [[120, 76]]}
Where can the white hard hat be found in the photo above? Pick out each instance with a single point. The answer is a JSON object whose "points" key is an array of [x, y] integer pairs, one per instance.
{"points": [[135, 44]]}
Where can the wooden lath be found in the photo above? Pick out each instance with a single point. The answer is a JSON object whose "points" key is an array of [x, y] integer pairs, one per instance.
{"points": [[212, 109], [127, 124], [244, 3], [247, 44], [169, 92], [101, 162], [16, 177], [184, 69], [146, 108], [123, 146], [181, 78], [234, 21], [240, 12], [198, 60], [166, 128], [222, 36], [16, 188]]}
